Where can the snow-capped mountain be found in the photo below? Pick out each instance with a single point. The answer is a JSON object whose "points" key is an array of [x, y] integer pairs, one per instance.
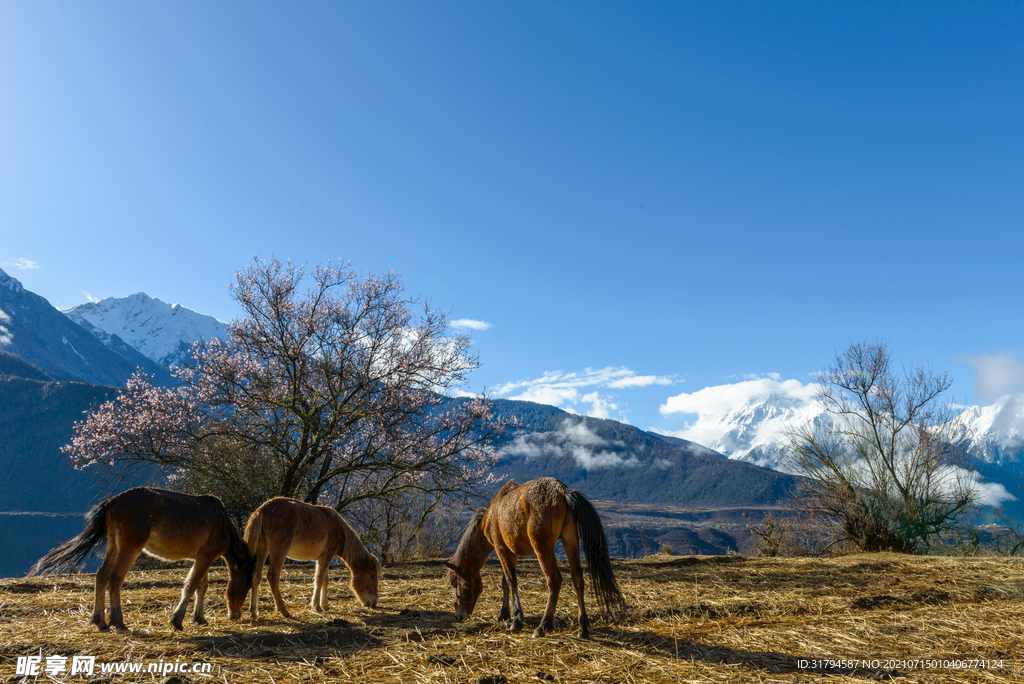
{"points": [[32, 329], [757, 430], [163, 332], [997, 431]]}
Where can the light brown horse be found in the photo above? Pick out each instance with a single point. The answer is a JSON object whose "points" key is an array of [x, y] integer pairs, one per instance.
{"points": [[169, 525], [284, 527], [525, 520]]}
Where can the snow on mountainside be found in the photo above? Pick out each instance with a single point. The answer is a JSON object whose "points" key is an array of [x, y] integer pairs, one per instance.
{"points": [[163, 332], [749, 421], [33, 330], [997, 431]]}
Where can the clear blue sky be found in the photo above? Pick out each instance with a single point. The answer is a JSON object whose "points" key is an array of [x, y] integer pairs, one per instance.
{"points": [[692, 191]]}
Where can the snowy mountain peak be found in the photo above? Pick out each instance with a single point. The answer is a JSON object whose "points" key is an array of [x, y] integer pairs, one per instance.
{"points": [[163, 332], [751, 421], [10, 282]]}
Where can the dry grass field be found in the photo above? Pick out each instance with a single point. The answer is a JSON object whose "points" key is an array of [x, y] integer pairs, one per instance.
{"points": [[692, 619]]}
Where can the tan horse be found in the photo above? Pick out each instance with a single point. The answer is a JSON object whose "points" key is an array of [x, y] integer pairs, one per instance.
{"points": [[526, 520], [283, 528], [165, 524]]}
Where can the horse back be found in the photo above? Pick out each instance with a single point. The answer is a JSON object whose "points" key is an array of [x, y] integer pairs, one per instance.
{"points": [[169, 525], [528, 518], [305, 530]]}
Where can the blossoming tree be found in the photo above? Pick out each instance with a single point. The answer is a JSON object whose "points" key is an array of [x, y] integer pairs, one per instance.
{"points": [[330, 389]]}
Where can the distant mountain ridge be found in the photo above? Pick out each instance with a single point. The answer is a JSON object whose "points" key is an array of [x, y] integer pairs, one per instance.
{"points": [[162, 332], [31, 328], [756, 432]]}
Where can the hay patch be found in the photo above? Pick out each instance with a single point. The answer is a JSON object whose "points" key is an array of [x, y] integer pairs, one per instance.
{"points": [[691, 619]]}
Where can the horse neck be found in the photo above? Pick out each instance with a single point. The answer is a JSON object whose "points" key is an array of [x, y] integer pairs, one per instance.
{"points": [[353, 551], [473, 548], [237, 556]]}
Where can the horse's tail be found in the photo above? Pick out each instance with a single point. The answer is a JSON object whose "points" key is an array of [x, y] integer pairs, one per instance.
{"points": [[74, 551], [254, 530], [595, 548]]}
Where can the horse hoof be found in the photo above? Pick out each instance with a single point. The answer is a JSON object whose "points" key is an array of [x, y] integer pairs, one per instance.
{"points": [[583, 634], [176, 624], [202, 621], [539, 632], [120, 626], [102, 626], [516, 626]]}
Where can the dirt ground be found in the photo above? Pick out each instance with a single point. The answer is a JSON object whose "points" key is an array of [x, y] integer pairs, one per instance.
{"points": [[691, 619]]}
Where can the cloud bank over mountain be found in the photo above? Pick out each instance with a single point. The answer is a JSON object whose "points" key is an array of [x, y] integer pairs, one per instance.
{"points": [[568, 391], [750, 421], [586, 447], [746, 420]]}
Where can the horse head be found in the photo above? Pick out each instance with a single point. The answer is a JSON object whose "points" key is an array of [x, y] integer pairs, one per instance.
{"points": [[241, 568], [468, 586], [366, 578]]}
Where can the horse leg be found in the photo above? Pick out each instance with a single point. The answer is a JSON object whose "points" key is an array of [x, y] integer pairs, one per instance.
{"points": [[320, 579], [505, 614], [195, 576], [508, 565], [197, 613], [549, 565], [102, 580], [257, 576], [571, 546], [274, 580], [120, 570]]}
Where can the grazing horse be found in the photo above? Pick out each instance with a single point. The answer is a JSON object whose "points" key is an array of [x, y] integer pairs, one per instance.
{"points": [[169, 525], [285, 527], [525, 520]]}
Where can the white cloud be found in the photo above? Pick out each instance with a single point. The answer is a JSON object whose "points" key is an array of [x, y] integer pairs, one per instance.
{"points": [[5, 334], [640, 381], [720, 400], [992, 493], [564, 390], [994, 375], [90, 298], [722, 425], [25, 264], [553, 396], [22, 263], [470, 323], [600, 405], [573, 439]]}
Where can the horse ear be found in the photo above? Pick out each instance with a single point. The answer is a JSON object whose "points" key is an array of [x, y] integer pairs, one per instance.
{"points": [[454, 568]]}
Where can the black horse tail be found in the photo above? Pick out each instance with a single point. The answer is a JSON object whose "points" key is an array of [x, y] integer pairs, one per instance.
{"points": [[73, 552], [595, 548]]}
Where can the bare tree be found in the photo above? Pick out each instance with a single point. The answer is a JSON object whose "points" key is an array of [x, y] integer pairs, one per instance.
{"points": [[888, 463], [332, 395]]}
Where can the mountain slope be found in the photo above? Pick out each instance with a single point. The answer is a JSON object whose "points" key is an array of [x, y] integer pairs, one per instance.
{"points": [[36, 420], [43, 337], [162, 332], [606, 459]]}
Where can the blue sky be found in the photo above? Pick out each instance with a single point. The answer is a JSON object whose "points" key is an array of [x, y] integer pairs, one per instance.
{"points": [[642, 200]]}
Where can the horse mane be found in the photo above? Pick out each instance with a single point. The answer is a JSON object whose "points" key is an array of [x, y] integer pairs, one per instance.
{"points": [[465, 545], [353, 551], [238, 551]]}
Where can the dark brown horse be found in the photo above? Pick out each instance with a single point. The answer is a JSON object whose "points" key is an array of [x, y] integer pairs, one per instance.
{"points": [[283, 528], [165, 524], [526, 520]]}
